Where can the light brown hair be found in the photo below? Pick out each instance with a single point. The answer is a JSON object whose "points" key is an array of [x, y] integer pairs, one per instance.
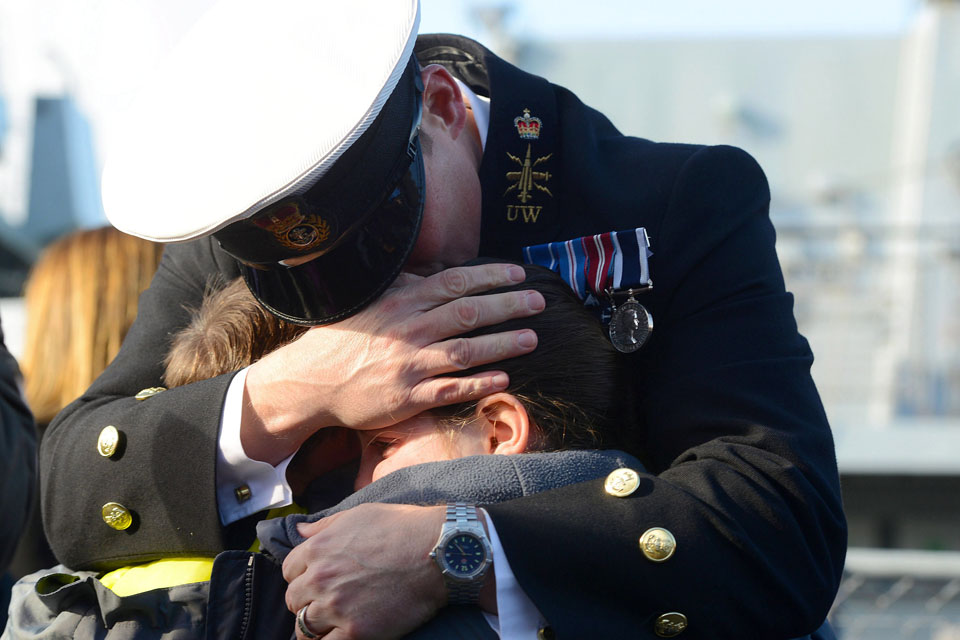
{"points": [[228, 332], [81, 298]]}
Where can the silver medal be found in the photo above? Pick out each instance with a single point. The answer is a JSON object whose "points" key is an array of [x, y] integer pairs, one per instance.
{"points": [[630, 326]]}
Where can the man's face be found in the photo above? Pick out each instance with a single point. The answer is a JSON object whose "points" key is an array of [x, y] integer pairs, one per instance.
{"points": [[450, 231], [451, 149]]}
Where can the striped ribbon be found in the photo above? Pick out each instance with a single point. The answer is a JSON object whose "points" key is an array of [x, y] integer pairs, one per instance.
{"points": [[616, 260]]}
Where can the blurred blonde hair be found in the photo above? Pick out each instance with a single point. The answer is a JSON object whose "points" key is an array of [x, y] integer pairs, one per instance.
{"points": [[81, 298]]}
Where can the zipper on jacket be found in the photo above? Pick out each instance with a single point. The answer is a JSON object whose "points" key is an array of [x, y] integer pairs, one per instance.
{"points": [[247, 598]]}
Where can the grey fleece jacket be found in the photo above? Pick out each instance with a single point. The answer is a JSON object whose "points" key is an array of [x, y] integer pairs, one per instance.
{"points": [[482, 479]]}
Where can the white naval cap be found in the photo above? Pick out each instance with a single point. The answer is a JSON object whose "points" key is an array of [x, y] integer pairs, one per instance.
{"points": [[254, 106]]}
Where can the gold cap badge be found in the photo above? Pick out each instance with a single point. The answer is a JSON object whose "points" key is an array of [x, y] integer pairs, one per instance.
{"points": [[294, 229]]}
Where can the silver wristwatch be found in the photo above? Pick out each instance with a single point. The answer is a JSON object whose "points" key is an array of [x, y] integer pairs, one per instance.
{"points": [[463, 553]]}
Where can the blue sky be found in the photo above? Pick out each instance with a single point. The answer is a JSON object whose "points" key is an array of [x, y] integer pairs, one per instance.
{"points": [[616, 18]]}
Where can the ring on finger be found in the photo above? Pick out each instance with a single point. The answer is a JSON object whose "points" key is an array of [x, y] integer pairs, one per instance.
{"points": [[302, 624]]}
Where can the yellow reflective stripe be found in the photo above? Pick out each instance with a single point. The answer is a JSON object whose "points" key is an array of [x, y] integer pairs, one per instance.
{"points": [[170, 572], [159, 574], [279, 512]]}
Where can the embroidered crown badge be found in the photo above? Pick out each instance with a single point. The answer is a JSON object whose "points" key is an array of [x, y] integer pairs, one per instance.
{"points": [[528, 126]]}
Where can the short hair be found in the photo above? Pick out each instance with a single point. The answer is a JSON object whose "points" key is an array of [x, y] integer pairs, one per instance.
{"points": [[228, 332], [572, 384], [426, 141]]}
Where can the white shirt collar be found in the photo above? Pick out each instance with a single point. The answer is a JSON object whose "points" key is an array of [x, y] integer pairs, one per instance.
{"points": [[481, 110]]}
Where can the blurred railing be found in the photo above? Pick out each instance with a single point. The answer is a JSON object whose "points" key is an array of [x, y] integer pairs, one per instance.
{"points": [[899, 595]]}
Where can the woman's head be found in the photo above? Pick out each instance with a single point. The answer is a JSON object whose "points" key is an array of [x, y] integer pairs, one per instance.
{"points": [[81, 298], [567, 394], [571, 384], [497, 423]]}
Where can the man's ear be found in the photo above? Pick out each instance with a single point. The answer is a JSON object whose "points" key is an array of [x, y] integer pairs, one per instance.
{"points": [[443, 105], [505, 422]]}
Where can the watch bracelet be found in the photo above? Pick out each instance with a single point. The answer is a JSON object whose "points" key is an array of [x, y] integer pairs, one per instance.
{"points": [[462, 513], [464, 516]]}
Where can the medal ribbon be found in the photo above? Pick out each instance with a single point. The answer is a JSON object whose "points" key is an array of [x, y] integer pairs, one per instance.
{"points": [[631, 270], [592, 264], [598, 267]]}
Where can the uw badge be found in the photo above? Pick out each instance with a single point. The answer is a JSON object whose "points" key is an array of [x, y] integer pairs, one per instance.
{"points": [[630, 326], [527, 180]]}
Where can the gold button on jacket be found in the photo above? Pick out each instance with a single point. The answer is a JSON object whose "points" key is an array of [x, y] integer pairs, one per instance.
{"points": [[108, 441], [658, 544], [621, 482], [149, 392], [116, 516], [546, 633], [670, 624]]}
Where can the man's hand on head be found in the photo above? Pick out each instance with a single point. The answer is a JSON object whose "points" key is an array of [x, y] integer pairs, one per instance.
{"points": [[387, 363]]}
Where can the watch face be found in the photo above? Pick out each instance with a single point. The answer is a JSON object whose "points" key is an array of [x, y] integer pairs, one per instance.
{"points": [[463, 555]]}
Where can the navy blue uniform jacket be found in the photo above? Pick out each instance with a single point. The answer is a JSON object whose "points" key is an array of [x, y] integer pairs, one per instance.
{"points": [[18, 458], [741, 461]]}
